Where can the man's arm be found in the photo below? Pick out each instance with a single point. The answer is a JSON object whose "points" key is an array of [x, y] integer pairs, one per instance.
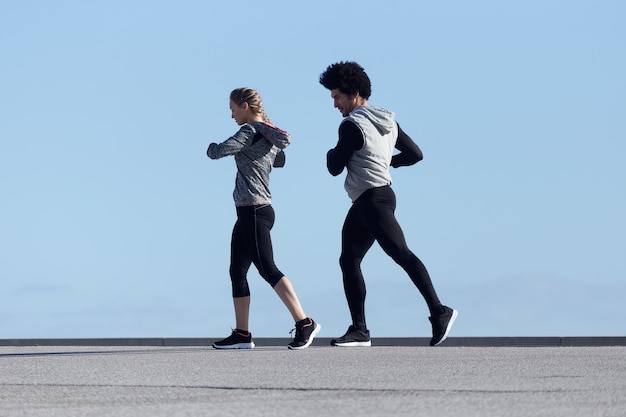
{"points": [[409, 154], [350, 140]]}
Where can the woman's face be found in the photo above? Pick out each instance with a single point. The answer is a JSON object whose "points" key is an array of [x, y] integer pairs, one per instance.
{"points": [[240, 112]]}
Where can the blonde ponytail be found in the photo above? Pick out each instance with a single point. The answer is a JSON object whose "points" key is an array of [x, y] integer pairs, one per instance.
{"points": [[250, 96]]}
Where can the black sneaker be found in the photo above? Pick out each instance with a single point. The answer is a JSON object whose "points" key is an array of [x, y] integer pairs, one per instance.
{"points": [[353, 338], [306, 330], [237, 340], [442, 325]]}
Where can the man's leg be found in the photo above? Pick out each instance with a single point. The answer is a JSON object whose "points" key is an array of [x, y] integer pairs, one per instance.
{"points": [[382, 222], [356, 240]]}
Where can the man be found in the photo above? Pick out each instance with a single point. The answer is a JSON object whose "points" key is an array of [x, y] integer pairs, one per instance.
{"points": [[367, 138]]}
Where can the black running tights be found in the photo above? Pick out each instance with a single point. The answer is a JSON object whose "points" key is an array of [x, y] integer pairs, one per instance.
{"points": [[371, 218], [251, 243]]}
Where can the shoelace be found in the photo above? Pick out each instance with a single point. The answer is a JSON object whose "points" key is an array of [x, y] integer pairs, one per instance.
{"points": [[236, 332], [298, 335], [293, 338], [299, 330]]}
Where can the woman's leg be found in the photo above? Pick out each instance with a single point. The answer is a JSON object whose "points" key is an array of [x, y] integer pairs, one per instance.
{"points": [[242, 312], [258, 242], [263, 258], [240, 261], [264, 261], [288, 295]]}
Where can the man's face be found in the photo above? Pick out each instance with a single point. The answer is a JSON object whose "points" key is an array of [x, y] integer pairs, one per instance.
{"points": [[342, 101]]}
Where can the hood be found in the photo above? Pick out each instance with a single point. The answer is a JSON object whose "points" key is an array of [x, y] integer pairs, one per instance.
{"points": [[276, 136], [382, 119]]}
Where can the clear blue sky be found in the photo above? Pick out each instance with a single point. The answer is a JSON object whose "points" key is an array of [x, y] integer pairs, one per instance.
{"points": [[114, 223]]}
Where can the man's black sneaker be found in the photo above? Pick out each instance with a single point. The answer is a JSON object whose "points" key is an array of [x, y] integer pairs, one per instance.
{"points": [[237, 340], [353, 338], [306, 330], [442, 325]]}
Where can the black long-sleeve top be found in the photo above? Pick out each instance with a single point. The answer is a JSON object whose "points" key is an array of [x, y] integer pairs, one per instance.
{"points": [[351, 139]]}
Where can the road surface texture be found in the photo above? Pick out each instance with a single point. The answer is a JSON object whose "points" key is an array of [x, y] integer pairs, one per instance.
{"points": [[388, 379]]}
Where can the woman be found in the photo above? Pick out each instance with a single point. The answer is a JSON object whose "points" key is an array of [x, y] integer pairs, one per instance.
{"points": [[257, 147]]}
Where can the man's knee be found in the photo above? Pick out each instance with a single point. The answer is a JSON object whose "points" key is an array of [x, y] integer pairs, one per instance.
{"points": [[403, 257], [349, 262]]}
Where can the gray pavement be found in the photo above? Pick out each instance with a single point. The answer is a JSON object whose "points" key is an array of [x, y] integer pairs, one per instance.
{"points": [[384, 380]]}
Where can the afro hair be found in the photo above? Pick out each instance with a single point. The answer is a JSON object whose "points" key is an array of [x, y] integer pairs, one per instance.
{"points": [[349, 77]]}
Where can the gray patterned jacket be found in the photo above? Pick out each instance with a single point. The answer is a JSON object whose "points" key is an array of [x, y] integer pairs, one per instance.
{"points": [[257, 147]]}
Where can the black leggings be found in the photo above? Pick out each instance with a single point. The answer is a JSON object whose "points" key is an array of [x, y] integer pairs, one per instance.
{"points": [[251, 243], [371, 218]]}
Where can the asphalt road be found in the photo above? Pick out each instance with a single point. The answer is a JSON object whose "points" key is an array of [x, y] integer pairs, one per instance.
{"points": [[320, 381]]}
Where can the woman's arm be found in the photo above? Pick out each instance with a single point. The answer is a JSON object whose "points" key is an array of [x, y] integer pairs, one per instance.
{"points": [[232, 145]]}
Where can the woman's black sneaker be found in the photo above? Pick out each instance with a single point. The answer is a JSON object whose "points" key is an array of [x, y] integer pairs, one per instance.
{"points": [[237, 340], [306, 330]]}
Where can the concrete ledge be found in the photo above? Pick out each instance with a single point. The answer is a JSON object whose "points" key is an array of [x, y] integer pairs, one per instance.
{"points": [[325, 341]]}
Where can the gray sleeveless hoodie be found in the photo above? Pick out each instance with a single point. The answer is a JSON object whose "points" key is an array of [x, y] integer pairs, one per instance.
{"points": [[368, 167], [256, 147]]}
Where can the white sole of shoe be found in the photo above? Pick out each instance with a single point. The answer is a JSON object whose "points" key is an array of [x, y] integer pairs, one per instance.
{"points": [[354, 344], [317, 329], [450, 323], [236, 346]]}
